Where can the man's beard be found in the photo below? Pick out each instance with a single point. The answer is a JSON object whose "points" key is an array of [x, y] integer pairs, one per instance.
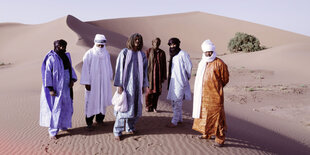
{"points": [[59, 50], [174, 51]]}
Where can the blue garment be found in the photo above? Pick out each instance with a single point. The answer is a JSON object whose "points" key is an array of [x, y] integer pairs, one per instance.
{"points": [[132, 89], [177, 112], [131, 84], [56, 111], [65, 106], [119, 125]]}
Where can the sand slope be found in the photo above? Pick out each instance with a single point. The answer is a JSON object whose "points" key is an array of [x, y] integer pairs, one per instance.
{"points": [[266, 100]]}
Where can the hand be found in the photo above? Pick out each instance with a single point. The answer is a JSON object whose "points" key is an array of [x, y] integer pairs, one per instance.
{"points": [[119, 90], [71, 84], [147, 90], [87, 87], [53, 93], [143, 90]]}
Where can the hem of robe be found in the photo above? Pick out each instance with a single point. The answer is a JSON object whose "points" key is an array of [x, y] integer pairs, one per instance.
{"points": [[215, 115]]}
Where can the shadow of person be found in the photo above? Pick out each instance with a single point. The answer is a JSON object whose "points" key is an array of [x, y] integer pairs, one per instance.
{"points": [[146, 125], [97, 129], [241, 134]]}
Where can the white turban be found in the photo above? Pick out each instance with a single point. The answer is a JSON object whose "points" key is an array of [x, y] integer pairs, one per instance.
{"points": [[207, 45], [100, 39]]}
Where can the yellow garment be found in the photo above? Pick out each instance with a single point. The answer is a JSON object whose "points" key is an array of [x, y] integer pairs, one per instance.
{"points": [[212, 119]]}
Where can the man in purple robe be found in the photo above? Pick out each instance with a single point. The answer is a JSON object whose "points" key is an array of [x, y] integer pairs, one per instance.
{"points": [[58, 76]]}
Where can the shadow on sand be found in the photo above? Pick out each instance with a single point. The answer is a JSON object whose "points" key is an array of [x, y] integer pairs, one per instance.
{"points": [[246, 135], [241, 133]]}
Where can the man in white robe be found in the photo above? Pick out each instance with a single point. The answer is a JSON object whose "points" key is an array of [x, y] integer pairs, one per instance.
{"points": [[180, 67], [96, 75]]}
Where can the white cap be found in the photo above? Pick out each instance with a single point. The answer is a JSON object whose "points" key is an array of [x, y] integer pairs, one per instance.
{"points": [[207, 45], [100, 39]]}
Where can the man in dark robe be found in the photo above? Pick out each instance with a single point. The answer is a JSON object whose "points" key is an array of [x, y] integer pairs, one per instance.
{"points": [[157, 74]]}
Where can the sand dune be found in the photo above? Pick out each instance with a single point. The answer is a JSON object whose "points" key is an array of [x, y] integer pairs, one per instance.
{"points": [[267, 99], [288, 63], [193, 28]]}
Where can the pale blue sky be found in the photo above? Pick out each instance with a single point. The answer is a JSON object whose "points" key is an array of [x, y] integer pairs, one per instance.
{"points": [[290, 15]]}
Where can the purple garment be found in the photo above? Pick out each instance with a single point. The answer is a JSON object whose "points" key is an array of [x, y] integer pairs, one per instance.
{"points": [[56, 111]]}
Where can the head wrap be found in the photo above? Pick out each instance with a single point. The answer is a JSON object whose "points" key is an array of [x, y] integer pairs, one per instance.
{"points": [[173, 51], [207, 45], [100, 39], [174, 41], [58, 43]]}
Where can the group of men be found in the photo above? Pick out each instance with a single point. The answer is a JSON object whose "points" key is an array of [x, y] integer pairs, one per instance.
{"points": [[136, 73]]}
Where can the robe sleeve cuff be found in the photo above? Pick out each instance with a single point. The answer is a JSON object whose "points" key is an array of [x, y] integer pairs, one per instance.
{"points": [[50, 88]]}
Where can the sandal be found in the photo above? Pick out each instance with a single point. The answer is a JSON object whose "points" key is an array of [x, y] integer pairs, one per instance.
{"points": [[218, 145], [117, 138], [202, 137], [170, 125], [53, 138]]}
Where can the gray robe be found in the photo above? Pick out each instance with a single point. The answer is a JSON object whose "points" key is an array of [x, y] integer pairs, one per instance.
{"points": [[131, 83]]}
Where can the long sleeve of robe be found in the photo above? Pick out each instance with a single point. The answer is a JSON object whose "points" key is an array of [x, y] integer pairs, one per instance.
{"points": [[179, 87], [131, 83], [97, 72], [53, 75]]}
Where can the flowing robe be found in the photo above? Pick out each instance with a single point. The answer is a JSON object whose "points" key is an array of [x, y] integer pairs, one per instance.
{"points": [[212, 119], [97, 72], [51, 107], [157, 69], [131, 83], [181, 68]]}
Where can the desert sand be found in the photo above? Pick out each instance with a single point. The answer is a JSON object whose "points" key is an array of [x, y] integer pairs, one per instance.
{"points": [[267, 100]]}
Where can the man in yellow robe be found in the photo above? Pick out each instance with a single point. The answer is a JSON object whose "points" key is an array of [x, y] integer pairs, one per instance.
{"points": [[208, 107]]}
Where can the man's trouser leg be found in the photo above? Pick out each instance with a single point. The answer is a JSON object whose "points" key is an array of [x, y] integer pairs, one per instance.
{"points": [[100, 118], [119, 126], [89, 120], [177, 112], [52, 132]]}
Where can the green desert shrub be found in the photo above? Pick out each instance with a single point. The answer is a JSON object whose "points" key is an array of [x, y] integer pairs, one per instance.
{"points": [[244, 42]]}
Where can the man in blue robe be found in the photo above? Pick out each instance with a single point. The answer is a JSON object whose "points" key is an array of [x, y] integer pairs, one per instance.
{"points": [[131, 77], [58, 76]]}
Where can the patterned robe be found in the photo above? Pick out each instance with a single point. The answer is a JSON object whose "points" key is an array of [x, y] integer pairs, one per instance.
{"points": [[157, 69], [212, 119]]}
